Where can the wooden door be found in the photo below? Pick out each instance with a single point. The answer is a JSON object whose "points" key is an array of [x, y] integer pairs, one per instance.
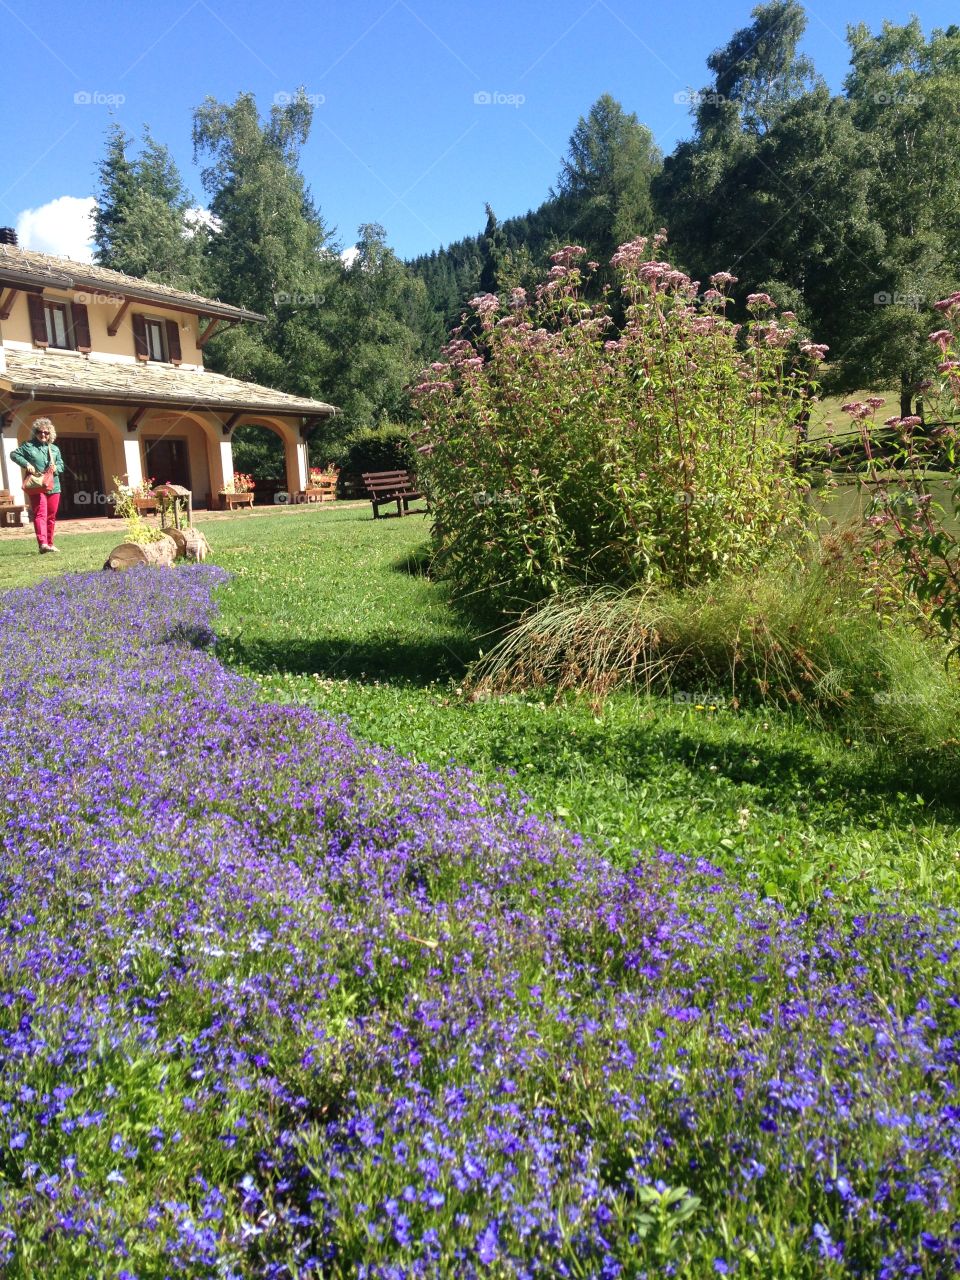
{"points": [[168, 461], [81, 483]]}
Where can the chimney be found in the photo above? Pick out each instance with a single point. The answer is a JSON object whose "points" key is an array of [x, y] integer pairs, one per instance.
{"points": [[8, 235]]}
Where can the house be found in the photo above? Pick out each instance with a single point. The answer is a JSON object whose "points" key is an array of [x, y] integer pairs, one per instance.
{"points": [[117, 364]]}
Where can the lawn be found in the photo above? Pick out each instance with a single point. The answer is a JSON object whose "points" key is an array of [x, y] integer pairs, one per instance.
{"points": [[328, 608], [281, 1003]]}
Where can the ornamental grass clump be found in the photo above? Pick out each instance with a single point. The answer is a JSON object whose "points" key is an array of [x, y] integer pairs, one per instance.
{"points": [[276, 1003], [563, 449], [790, 635]]}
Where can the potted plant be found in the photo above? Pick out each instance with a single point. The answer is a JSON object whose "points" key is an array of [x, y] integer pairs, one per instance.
{"points": [[238, 492], [136, 498], [322, 484]]}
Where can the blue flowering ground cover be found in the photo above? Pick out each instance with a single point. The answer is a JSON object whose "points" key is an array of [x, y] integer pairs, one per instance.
{"points": [[277, 1003]]}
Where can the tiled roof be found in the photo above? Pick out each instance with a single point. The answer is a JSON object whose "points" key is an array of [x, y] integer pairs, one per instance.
{"points": [[49, 374], [20, 266]]}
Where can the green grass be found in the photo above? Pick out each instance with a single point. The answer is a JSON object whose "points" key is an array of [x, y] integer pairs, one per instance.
{"points": [[329, 608], [827, 418]]}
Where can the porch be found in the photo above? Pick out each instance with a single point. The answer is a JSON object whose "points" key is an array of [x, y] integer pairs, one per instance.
{"points": [[128, 423]]}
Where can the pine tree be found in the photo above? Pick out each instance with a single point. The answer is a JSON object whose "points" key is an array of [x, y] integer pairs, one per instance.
{"points": [[604, 184], [142, 223]]}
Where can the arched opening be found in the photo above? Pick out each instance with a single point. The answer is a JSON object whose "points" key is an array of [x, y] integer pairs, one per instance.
{"points": [[92, 452], [260, 452]]}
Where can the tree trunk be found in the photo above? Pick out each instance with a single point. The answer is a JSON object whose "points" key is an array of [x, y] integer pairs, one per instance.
{"points": [[129, 554], [906, 391], [190, 544]]}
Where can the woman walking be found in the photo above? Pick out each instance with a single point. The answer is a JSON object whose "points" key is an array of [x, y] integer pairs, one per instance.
{"points": [[35, 456]]}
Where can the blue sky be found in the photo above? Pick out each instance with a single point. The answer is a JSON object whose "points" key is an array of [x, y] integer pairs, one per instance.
{"points": [[400, 136]]}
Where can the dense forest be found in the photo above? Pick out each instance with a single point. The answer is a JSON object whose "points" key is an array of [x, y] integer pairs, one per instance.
{"points": [[844, 207]]}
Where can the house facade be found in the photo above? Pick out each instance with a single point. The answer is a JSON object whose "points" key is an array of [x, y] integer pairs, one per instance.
{"points": [[117, 364]]}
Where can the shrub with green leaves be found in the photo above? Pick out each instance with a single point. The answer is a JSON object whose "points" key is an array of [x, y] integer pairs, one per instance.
{"points": [[912, 529], [562, 447]]}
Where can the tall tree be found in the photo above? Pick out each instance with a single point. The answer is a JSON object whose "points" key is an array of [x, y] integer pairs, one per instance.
{"points": [[717, 194], [271, 239], [903, 91], [373, 333], [604, 183], [757, 74], [142, 221], [270, 251]]}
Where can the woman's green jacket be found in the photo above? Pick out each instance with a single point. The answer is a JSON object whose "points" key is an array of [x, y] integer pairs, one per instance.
{"points": [[35, 454]]}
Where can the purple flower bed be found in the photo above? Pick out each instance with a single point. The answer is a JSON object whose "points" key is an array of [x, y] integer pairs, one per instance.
{"points": [[278, 1003]]}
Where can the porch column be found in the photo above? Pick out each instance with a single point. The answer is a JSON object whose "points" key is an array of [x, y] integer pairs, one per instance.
{"points": [[222, 467], [132, 463], [12, 475], [300, 471]]}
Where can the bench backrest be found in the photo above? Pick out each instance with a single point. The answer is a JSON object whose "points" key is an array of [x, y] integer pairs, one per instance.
{"points": [[6, 498], [387, 481]]}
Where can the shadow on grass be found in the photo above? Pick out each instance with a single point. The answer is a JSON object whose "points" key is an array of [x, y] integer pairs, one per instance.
{"points": [[417, 564], [781, 773], [857, 778], [382, 658]]}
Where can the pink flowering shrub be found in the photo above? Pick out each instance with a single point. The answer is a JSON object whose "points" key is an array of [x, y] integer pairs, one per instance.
{"points": [[561, 447], [910, 529]]}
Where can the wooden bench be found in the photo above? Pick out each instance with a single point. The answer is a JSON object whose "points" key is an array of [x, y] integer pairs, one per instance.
{"points": [[384, 487], [10, 513]]}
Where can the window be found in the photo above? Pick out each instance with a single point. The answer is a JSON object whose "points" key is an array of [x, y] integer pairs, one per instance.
{"points": [[59, 329], [65, 326], [156, 339]]}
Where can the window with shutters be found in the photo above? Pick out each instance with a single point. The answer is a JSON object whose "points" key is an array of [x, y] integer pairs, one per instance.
{"points": [[65, 326], [57, 319], [156, 339]]}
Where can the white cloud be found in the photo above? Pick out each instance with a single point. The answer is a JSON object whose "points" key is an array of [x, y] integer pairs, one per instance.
{"points": [[201, 217], [63, 226], [349, 256]]}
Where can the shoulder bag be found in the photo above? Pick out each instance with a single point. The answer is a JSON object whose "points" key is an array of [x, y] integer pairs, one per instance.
{"points": [[43, 482]]}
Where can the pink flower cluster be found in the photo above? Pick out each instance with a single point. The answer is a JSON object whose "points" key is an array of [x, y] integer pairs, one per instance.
{"points": [[815, 350], [568, 255]]}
